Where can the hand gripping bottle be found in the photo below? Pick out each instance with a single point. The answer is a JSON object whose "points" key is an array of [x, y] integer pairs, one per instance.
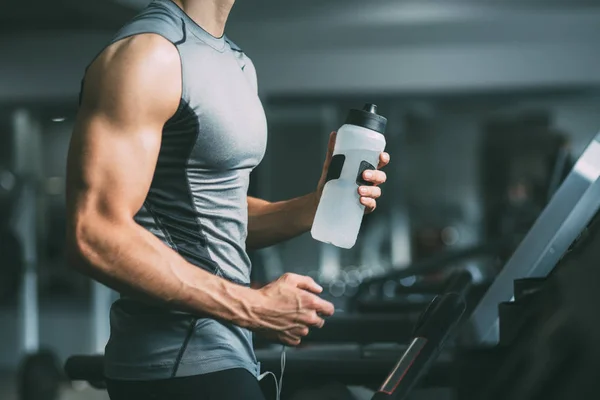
{"points": [[358, 144]]}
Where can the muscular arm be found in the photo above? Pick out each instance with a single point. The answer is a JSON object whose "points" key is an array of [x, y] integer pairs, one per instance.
{"points": [[271, 223], [130, 92]]}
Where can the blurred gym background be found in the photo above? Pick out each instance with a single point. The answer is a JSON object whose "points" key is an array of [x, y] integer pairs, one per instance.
{"points": [[489, 102]]}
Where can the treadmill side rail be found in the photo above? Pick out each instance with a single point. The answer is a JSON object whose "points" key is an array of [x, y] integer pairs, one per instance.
{"points": [[567, 214]]}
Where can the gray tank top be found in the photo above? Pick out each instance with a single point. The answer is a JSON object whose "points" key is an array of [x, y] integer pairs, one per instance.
{"points": [[197, 203]]}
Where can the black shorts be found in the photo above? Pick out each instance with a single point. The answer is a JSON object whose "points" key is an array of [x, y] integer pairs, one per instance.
{"points": [[231, 384]]}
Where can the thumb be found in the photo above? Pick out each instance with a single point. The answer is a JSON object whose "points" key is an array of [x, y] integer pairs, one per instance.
{"points": [[308, 284], [330, 147]]}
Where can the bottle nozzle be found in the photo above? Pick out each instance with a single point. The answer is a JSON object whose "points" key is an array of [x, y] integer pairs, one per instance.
{"points": [[367, 118], [372, 108]]}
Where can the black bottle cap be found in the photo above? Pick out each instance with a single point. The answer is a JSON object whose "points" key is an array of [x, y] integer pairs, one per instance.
{"points": [[367, 118]]}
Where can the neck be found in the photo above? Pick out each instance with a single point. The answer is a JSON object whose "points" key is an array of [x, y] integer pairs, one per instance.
{"points": [[211, 15]]}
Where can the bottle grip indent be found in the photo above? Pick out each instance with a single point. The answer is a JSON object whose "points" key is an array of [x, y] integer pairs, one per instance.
{"points": [[362, 168], [335, 168]]}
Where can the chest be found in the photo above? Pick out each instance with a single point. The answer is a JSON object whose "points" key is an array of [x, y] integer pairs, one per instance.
{"points": [[220, 89]]}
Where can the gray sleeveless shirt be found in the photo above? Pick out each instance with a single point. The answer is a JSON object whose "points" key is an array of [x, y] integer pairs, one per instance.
{"points": [[197, 203]]}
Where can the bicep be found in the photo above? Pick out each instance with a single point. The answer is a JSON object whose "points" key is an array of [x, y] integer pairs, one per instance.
{"points": [[117, 136]]}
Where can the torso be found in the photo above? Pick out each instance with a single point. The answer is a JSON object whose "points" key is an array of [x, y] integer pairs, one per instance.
{"points": [[197, 203]]}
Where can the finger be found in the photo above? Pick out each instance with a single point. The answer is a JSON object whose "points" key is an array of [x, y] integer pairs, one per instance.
{"points": [[302, 282], [374, 176], [300, 332], [313, 320], [292, 337], [384, 159], [373, 192], [331, 144], [369, 203], [323, 307], [330, 148], [290, 341], [307, 283]]}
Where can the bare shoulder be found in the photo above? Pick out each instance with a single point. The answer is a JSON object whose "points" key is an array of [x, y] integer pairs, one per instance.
{"points": [[139, 71], [149, 51]]}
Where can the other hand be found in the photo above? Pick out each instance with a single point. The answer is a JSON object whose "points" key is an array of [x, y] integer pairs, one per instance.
{"points": [[288, 308], [368, 194]]}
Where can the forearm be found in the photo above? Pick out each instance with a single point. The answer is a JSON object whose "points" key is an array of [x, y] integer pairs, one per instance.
{"points": [[132, 261], [271, 223]]}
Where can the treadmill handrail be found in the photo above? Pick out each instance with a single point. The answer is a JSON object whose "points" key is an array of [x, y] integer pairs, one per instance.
{"points": [[568, 213], [438, 324]]}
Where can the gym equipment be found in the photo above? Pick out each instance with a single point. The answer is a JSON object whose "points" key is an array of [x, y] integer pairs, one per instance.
{"points": [[566, 215], [370, 294], [437, 325], [364, 328], [523, 163], [381, 327], [11, 266], [11, 260], [533, 341], [363, 360], [548, 343], [40, 374], [40, 377], [376, 325], [8, 183]]}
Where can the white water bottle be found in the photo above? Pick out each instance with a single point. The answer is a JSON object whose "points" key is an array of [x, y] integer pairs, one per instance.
{"points": [[358, 145]]}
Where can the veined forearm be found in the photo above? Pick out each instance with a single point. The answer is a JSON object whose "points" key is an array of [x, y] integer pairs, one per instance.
{"points": [[131, 260], [271, 223]]}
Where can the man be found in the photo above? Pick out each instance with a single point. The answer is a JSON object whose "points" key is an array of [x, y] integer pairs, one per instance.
{"points": [[169, 128]]}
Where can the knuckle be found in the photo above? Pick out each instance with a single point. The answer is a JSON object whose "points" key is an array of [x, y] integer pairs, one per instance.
{"points": [[288, 276], [311, 317], [293, 340], [312, 302], [315, 320]]}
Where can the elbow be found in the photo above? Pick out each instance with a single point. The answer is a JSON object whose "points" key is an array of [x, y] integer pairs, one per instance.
{"points": [[80, 246], [75, 251]]}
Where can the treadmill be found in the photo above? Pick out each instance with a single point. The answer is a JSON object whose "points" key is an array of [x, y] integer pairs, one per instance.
{"points": [[567, 214], [547, 347]]}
